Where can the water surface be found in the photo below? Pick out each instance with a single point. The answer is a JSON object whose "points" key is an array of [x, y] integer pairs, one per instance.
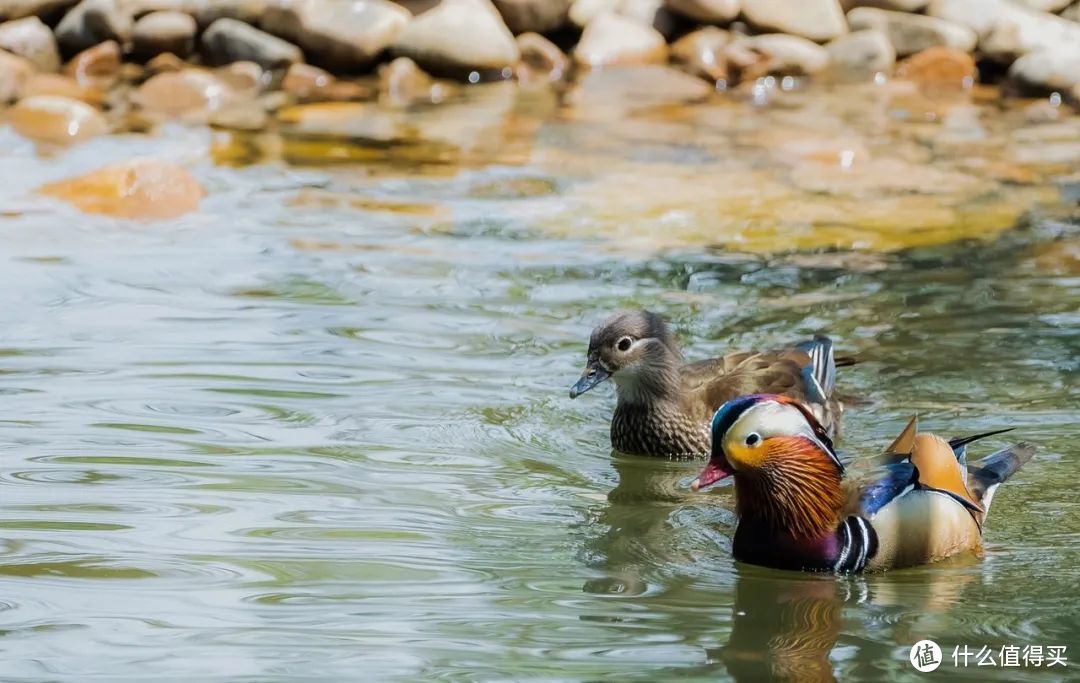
{"points": [[319, 429]]}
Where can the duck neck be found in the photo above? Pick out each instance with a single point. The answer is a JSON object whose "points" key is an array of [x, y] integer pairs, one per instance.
{"points": [[651, 381], [797, 495]]}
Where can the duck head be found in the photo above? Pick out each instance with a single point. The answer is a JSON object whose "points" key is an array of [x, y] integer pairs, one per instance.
{"points": [[635, 350], [785, 468]]}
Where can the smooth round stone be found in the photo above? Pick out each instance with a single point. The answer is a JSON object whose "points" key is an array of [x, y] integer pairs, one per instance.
{"points": [[229, 40], [55, 119], [538, 16], [707, 11], [1049, 70], [939, 68], [14, 72], [64, 86], [346, 35], [143, 189], [248, 11], [402, 82], [92, 22], [1007, 30], [183, 93], [100, 62], [161, 32], [860, 53], [459, 38], [614, 40], [911, 33], [50, 10], [701, 53], [789, 55], [817, 20], [31, 39], [541, 59]]}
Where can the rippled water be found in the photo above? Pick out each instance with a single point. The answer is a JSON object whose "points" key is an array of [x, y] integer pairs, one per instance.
{"points": [[319, 430]]}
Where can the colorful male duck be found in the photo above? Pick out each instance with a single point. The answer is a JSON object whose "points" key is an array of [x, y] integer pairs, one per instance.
{"points": [[664, 405], [796, 510]]}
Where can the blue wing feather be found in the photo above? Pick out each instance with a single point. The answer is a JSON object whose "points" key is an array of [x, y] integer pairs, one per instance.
{"points": [[898, 477]]}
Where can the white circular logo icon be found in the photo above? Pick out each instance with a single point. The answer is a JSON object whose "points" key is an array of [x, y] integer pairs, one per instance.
{"points": [[925, 656]]}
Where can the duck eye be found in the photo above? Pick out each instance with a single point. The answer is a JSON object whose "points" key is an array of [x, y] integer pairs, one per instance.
{"points": [[753, 438], [624, 344]]}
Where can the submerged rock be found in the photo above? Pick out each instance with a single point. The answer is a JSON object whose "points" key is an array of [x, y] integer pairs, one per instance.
{"points": [[402, 82], [939, 67], [614, 40], [817, 20], [538, 16], [64, 86], [14, 72], [541, 59], [160, 32], [911, 33], [31, 39], [701, 54], [610, 93], [707, 11], [312, 84], [55, 119], [142, 189], [92, 22], [183, 93], [459, 37], [229, 40], [862, 52]]}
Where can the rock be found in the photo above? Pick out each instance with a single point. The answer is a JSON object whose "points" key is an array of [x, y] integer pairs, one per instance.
{"points": [[614, 40], [538, 16], [244, 116], [142, 189], [541, 59], [1049, 70], [459, 37], [92, 22], [164, 31], [248, 11], [789, 55], [166, 61], [43, 9], [911, 33], [701, 54], [707, 11], [311, 84], [347, 35], [605, 92], [1072, 12], [584, 11], [229, 40], [862, 52], [32, 39], [817, 20], [1046, 5], [140, 8], [402, 82], [651, 13], [1007, 30], [55, 119], [63, 86], [184, 93], [939, 67], [14, 73], [100, 62], [246, 78], [913, 6]]}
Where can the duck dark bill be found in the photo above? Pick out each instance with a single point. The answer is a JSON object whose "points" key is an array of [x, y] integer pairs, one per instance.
{"points": [[715, 471], [593, 375]]}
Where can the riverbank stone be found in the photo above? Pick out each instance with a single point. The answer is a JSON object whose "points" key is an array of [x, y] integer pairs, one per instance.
{"points": [[911, 33], [229, 40], [460, 38], [164, 31], [92, 22], [817, 20], [31, 39]]}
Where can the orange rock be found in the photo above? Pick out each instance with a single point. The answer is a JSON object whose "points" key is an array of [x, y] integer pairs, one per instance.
{"points": [[100, 62], [181, 93], [939, 67], [64, 86], [14, 72], [142, 189], [55, 119]]}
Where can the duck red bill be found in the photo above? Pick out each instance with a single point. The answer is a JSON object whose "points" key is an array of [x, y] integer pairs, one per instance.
{"points": [[716, 470]]}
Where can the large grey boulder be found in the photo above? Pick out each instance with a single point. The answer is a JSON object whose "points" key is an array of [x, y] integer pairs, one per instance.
{"points": [[229, 40]]}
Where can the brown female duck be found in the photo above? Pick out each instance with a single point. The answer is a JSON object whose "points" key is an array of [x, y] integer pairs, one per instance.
{"points": [[665, 405]]}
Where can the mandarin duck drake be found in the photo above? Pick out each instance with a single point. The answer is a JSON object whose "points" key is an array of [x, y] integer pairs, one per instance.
{"points": [[797, 510], [664, 405]]}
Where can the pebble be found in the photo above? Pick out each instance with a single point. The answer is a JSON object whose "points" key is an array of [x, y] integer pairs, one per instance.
{"points": [[14, 73], [707, 11], [817, 20], [98, 63], [541, 59], [64, 86], [229, 40], [31, 39], [311, 84], [538, 16], [701, 53], [789, 55], [164, 31], [402, 82], [141, 189], [939, 68], [460, 38], [184, 93], [92, 22], [911, 33], [614, 40], [862, 52], [55, 119], [1049, 70], [347, 35]]}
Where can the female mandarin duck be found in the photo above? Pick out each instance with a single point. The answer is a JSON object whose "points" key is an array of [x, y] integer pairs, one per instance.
{"points": [[664, 405], [796, 510]]}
